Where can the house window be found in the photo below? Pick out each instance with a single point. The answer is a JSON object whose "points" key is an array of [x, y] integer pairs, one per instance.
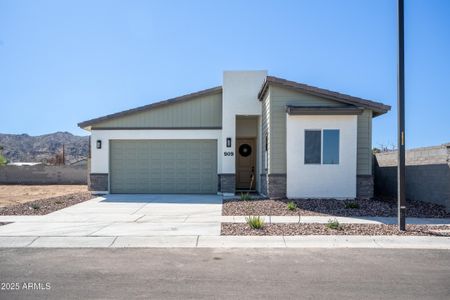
{"points": [[312, 146], [322, 147], [330, 146]]}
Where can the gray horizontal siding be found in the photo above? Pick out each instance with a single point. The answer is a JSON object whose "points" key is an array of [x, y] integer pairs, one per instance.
{"points": [[204, 111], [364, 151], [265, 128], [279, 98]]}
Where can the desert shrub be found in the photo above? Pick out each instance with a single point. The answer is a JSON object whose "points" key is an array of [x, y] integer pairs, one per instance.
{"points": [[245, 196], [352, 205], [255, 222], [291, 205], [35, 206], [3, 160], [333, 224]]}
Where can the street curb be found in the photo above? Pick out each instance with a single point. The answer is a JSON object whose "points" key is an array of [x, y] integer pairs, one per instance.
{"points": [[308, 241]]}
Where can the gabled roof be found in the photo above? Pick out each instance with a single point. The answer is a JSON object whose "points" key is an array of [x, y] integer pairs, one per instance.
{"points": [[179, 99], [377, 107]]}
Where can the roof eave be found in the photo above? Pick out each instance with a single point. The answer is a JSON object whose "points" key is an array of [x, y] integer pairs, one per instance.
{"points": [[323, 110]]}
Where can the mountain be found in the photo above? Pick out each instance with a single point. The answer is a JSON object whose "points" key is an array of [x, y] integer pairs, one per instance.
{"points": [[26, 148]]}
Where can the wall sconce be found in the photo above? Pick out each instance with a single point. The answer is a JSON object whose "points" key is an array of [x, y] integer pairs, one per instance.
{"points": [[99, 144], [228, 142]]}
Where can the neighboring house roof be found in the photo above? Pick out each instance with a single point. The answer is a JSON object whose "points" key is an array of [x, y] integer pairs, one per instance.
{"points": [[377, 107], [80, 162], [187, 97], [22, 164]]}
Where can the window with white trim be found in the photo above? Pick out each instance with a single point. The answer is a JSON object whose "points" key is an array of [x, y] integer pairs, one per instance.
{"points": [[322, 146]]}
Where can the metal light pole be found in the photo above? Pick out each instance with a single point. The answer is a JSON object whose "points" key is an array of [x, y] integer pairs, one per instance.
{"points": [[401, 120]]}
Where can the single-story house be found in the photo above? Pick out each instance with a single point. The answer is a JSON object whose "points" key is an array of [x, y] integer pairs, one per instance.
{"points": [[255, 132]]}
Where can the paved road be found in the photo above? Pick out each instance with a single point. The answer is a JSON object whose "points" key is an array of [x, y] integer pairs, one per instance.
{"points": [[228, 274]]}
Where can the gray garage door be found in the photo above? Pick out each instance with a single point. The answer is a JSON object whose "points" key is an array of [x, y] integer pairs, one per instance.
{"points": [[163, 166]]}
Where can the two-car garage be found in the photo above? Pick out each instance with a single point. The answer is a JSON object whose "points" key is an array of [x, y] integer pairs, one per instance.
{"points": [[163, 166], [169, 146]]}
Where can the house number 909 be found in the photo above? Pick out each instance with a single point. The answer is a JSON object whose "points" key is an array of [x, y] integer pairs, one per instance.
{"points": [[229, 153]]}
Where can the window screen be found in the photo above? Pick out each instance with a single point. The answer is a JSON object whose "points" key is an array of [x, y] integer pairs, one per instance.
{"points": [[331, 146], [312, 146]]}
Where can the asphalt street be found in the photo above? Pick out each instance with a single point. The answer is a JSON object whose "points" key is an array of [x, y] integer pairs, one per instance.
{"points": [[224, 274]]}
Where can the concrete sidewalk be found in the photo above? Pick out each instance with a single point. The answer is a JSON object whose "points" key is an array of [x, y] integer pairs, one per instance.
{"points": [[210, 217], [386, 242]]}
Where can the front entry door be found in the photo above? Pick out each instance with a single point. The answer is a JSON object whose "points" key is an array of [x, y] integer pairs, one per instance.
{"points": [[245, 164]]}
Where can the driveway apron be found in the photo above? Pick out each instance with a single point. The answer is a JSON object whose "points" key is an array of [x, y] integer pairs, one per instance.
{"points": [[127, 215]]}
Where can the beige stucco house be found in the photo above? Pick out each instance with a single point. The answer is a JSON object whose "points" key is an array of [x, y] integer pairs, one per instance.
{"points": [[255, 132]]}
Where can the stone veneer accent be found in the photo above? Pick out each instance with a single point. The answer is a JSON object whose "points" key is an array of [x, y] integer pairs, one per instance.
{"points": [[227, 183], [276, 186], [263, 184], [98, 181], [364, 186]]}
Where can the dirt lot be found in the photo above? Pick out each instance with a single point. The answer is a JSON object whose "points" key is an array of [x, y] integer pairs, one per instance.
{"points": [[17, 194]]}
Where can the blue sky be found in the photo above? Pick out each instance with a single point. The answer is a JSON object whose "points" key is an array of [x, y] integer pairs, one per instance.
{"points": [[62, 62]]}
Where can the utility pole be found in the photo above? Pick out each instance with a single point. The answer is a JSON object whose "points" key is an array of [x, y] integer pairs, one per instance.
{"points": [[63, 155], [401, 119]]}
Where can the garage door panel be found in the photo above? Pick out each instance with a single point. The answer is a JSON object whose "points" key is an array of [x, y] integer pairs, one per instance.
{"points": [[163, 166]]}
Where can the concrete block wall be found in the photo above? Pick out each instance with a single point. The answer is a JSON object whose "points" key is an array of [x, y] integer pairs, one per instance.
{"points": [[419, 156], [42, 174], [427, 174]]}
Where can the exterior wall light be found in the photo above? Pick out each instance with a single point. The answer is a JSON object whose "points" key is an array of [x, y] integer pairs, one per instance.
{"points": [[228, 142], [99, 144]]}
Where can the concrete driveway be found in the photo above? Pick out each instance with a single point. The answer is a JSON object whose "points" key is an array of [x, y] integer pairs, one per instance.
{"points": [[127, 215]]}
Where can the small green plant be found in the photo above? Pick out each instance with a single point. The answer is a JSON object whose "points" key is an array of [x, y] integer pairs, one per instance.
{"points": [[333, 224], [35, 206], [352, 205], [255, 222], [245, 196], [58, 202], [291, 205], [3, 160]]}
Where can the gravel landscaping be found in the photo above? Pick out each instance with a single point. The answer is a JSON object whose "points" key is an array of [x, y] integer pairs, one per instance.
{"points": [[322, 229], [45, 206], [323, 207]]}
